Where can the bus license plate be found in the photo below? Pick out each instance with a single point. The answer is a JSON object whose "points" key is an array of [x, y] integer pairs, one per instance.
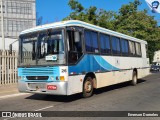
{"points": [[37, 86]]}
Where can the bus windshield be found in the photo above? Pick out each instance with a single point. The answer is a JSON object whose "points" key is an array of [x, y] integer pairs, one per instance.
{"points": [[42, 48]]}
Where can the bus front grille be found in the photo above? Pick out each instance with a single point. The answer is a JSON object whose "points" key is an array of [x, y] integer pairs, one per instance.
{"points": [[37, 77], [45, 71]]}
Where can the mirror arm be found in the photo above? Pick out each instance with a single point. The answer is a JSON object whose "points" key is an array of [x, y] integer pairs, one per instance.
{"points": [[10, 47]]}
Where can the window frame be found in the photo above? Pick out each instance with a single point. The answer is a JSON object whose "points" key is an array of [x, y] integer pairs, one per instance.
{"points": [[81, 31]]}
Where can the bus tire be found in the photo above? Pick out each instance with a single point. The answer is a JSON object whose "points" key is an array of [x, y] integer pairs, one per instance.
{"points": [[88, 87], [134, 78]]}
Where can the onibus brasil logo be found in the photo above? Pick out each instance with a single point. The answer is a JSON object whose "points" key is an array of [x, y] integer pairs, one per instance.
{"points": [[154, 5]]}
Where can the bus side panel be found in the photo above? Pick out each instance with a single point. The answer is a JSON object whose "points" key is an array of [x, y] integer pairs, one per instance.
{"points": [[114, 77], [75, 84], [125, 72], [143, 72], [109, 70]]}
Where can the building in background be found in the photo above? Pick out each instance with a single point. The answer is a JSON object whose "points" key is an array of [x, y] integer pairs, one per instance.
{"points": [[156, 57], [17, 15]]}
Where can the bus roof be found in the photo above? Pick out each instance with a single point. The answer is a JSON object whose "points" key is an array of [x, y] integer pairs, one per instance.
{"points": [[80, 24]]}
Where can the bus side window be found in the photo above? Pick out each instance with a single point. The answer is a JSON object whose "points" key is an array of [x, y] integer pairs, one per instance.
{"points": [[105, 44], [91, 41], [74, 40], [88, 43], [34, 50], [138, 49], [132, 48], [116, 45], [125, 47]]}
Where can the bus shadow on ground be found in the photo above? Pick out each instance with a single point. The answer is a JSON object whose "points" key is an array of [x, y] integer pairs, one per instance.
{"points": [[59, 98], [55, 98]]}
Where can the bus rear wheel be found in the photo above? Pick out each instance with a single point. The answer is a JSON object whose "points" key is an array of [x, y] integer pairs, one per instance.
{"points": [[134, 78], [88, 87]]}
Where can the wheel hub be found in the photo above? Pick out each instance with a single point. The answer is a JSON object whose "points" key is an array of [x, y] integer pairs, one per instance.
{"points": [[88, 86]]}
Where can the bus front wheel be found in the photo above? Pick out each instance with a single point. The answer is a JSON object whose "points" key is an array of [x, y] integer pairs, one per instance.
{"points": [[134, 78], [88, 87]]}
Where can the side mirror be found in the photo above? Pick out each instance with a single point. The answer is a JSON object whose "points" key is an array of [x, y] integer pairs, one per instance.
{"points": [[10, 49]]}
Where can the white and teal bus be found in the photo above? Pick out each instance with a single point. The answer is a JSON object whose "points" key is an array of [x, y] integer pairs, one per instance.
{"points": [[70, 57]]}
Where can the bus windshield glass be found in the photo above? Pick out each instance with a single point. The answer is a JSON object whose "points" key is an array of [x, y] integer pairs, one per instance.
{"points": [[42, 49]]}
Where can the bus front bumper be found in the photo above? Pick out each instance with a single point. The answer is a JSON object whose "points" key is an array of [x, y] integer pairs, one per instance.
{"points": [[52, 88]]}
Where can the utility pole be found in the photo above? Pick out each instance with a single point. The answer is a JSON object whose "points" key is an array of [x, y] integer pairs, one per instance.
{"points": [[2, 28]]}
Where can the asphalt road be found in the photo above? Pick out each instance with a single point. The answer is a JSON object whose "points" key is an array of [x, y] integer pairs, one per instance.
{"points": [[145, 96]]}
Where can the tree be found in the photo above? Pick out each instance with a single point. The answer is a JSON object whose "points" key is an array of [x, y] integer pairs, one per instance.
{"points": [[129, 20], [106, 19], [75, 5], [138, 24], [91, 15]]}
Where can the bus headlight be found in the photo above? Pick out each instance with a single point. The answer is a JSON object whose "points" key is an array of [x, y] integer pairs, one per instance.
{"points": [[51, 77], [21, 78]]}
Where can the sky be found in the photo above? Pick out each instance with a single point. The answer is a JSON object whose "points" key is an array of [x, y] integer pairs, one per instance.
{"points": [[56, 10]]}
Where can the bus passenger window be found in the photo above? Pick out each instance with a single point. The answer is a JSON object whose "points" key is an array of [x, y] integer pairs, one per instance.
{"points": [[95, 42], [125, 47], [138, 49], [132, 48], [105, 44], [74, 46], [91, 41], [88, 41], [115, 45]]}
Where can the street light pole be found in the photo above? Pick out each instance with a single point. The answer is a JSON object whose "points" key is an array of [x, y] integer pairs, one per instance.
{"points": [[2, 28]]}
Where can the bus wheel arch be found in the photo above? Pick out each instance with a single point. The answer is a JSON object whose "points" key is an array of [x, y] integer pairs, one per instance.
{"points": [[89, 84], [134, 77]]}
